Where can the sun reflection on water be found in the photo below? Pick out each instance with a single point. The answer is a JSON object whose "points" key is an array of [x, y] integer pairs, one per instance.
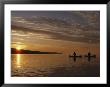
{"points": [[18, 60]]}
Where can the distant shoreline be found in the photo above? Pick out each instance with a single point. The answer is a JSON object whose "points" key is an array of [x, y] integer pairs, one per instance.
{"points": [[22, 51], [30, 54]]}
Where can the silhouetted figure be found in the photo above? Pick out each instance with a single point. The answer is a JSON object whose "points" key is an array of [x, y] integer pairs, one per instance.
{"points": [[90, 56], [74, 56]]}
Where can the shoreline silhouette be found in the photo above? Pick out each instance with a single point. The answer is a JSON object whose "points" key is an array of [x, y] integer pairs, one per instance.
{"points": [[22, 51]]}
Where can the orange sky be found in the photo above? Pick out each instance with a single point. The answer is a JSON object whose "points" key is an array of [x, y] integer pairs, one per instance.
{"points": [[64, 31]]}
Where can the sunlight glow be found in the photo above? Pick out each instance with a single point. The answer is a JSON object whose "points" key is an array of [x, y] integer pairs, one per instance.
{"points": [[18, 61], [18, 48]]}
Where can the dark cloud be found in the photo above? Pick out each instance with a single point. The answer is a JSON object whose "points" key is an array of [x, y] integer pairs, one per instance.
{"points": [[64, 25]]}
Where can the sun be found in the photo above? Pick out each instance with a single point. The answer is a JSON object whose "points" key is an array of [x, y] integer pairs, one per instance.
{"points": [[18, 48]]}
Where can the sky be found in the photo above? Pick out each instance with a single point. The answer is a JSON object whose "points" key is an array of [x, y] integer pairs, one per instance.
{"points": [[55, 30]]}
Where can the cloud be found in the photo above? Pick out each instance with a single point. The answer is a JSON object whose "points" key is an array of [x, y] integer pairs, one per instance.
{"points": [[82, 26]]}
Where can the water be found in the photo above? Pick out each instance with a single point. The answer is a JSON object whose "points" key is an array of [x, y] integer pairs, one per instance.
{"points": [[53, 65]]}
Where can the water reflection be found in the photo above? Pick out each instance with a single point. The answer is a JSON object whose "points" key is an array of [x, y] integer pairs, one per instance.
{"points": [[24, 65], [18, 60]]}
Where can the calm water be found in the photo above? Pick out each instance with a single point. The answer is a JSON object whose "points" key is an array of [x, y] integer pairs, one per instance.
{"points": [[50, 65]]}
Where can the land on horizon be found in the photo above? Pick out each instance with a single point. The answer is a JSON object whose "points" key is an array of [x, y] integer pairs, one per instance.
{"points": [[22, 51]]}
